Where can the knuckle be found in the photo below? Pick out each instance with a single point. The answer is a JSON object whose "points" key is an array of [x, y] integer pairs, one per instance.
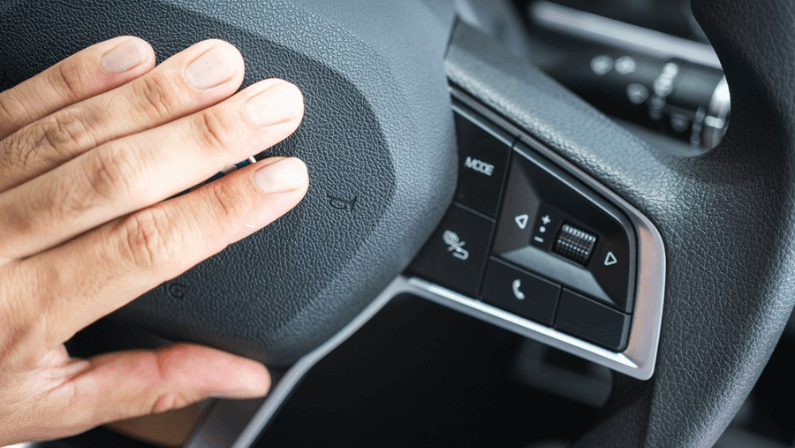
{"points": [[12, 109], [17, 149], [68, 199], [217, 130], [104, 176], [114, 172], [7, 109], [71, 78], [144, 240], [225, 201], [165, 399], [66, 132], [169, 401], [159, 95]]}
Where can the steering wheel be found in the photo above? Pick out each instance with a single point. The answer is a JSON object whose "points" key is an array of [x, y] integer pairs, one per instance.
{"points": [[379, 141]]}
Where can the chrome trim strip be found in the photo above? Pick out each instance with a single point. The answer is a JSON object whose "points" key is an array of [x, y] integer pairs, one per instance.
{"points": [[640, 356], [624, 35], [223, 423], [527, 328], [282, 390]]}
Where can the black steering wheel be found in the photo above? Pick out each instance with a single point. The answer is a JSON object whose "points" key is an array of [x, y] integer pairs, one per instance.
{"points": [[380, 144]]}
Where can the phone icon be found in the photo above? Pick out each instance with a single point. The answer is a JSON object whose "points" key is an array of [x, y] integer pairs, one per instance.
{"points": [[516, 292]]}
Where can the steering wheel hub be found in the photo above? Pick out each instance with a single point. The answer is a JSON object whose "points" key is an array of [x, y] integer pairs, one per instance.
{"points": [[377, 138]]}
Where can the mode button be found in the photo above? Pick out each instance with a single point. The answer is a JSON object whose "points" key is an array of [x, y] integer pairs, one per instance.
{"points": [[483, 159]]}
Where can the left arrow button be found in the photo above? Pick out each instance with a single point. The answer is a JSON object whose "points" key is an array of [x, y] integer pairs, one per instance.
{"points": [[521, 221]]}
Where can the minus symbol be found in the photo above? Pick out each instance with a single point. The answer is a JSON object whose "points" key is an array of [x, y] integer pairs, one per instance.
{"points": [[539, 239]]}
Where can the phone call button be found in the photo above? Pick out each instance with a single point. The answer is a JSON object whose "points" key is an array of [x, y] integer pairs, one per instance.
{"points": [[520, 292]]}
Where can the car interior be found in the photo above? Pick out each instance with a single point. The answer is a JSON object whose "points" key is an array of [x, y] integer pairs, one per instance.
{"points": [[531, 224]]}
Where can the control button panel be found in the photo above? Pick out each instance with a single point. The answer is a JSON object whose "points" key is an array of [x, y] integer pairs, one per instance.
{"points": [[594, 322], [575, 237], [520, 292], [536, 246], [483, 154], [456, 254]]}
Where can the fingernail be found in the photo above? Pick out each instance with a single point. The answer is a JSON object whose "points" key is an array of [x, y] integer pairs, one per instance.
{"points": [[285, 175], [125, 57], [278, 104], [209, 70]]}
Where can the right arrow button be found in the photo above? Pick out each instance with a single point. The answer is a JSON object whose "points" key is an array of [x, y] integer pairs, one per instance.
{"points": [[612, 270]]}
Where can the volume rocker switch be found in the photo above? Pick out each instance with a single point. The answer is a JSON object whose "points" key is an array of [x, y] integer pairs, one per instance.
{"points": [[574, 244]]}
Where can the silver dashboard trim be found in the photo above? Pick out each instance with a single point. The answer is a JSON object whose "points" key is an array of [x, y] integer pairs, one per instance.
{"points": [[639, 358], [623, 35]]}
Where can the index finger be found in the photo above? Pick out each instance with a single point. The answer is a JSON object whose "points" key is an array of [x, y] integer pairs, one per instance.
{"points": [[95, 70]]}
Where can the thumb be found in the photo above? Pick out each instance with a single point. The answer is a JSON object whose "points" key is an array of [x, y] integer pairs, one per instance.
{"points": [[124, 385]]}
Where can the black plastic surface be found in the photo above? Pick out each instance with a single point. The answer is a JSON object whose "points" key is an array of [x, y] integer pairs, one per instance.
{"points": [[456, 253], [520, 292], [483, 154], [420, 375], [726, 218], [377, 130], [589, 320]]}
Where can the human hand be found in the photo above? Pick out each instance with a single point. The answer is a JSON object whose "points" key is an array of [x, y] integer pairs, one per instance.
{"points": [[90, 150]]}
